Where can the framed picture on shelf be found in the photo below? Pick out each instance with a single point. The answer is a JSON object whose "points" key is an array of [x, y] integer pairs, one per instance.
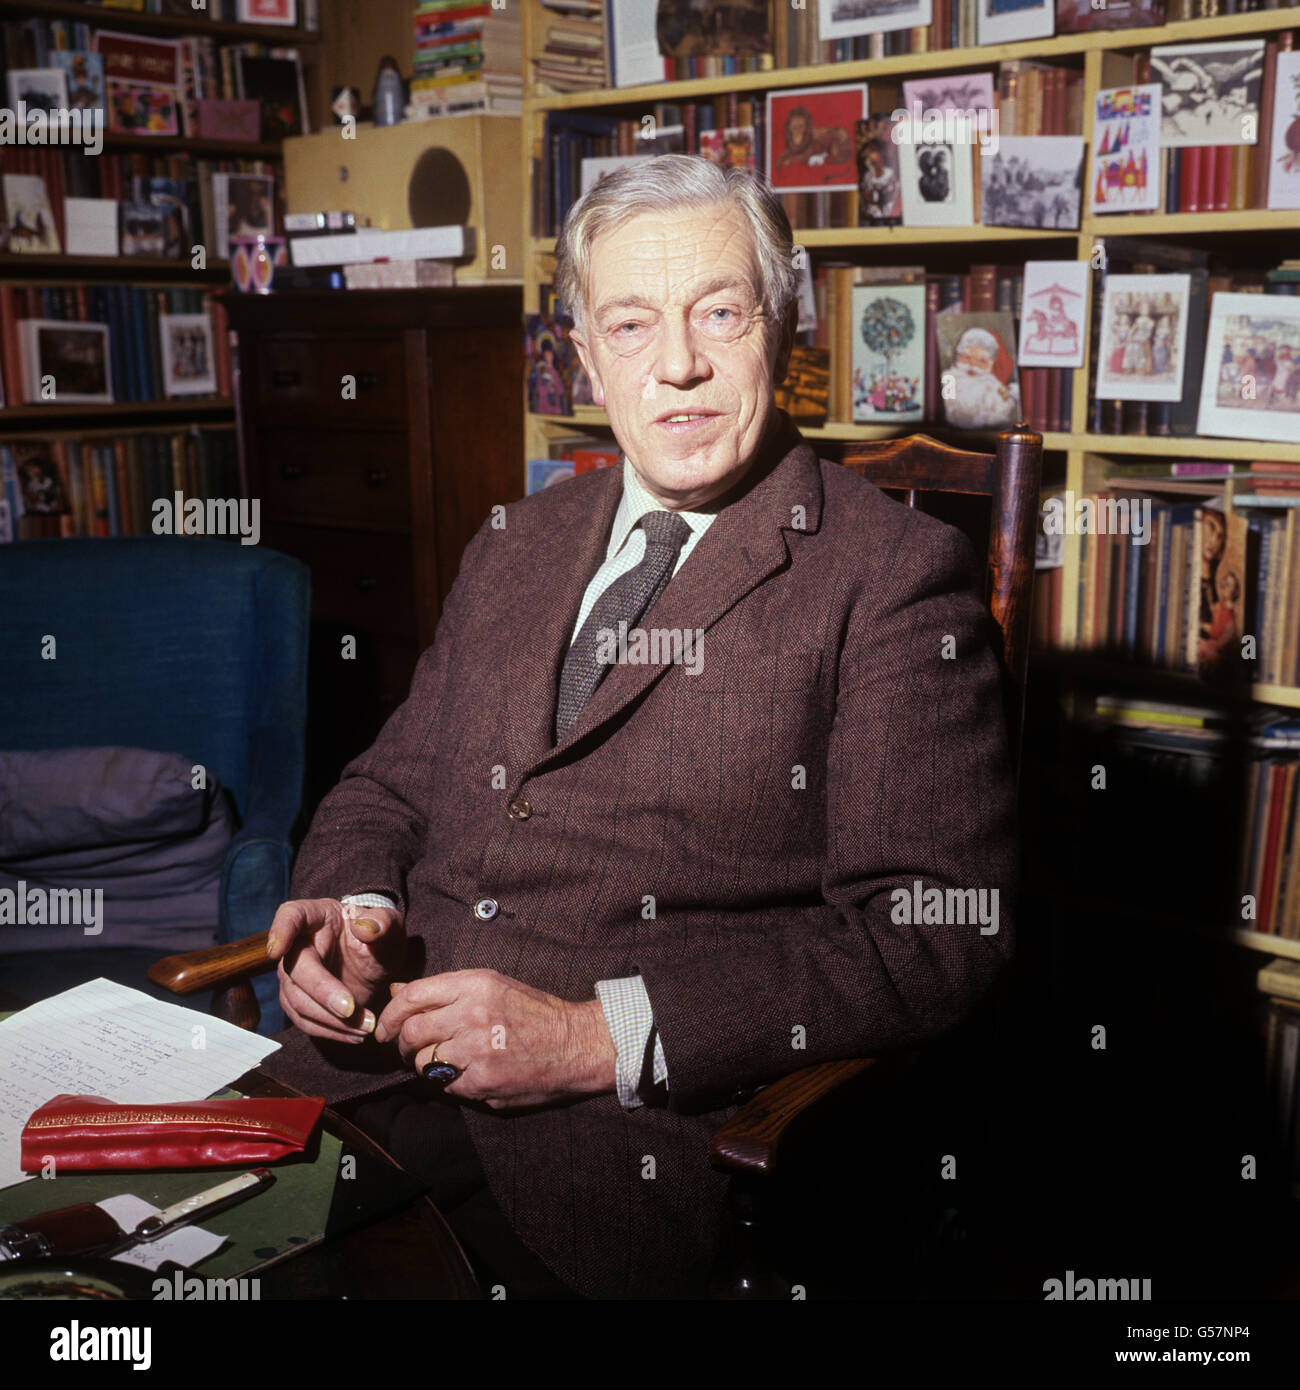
{"points": [[1284, 149], [846, 19], [267, 12], [1014, 21], [888, 353], [188, 360], [1251, 383], [1054, 313], [74, 355], [978, 383], [1125, 172], [810, 137], [37, 471], [276, 85], [142, 81], [29, 219], [144, 229], [1209, 91], [880, 186], [1143, 337], [937, 186], [1074, 16], [706, 29], [39, 89], [249, 204], [1031, 181]]}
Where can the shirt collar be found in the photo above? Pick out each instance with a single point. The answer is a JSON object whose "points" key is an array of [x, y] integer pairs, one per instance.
{"points": [[636, 502]]}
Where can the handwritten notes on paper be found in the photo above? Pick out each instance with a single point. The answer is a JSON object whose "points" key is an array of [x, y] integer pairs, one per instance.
{"points": [[104, 1039]]}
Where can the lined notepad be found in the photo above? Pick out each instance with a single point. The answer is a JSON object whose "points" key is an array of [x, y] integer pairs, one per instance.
{"points": [[105, 1039]]}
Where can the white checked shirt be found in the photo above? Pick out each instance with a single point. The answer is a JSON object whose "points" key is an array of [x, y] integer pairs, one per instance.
{"points": [[625, 1001]]}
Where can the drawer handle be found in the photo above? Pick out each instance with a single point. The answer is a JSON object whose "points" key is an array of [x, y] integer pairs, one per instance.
{"points": [[291, 472], [376, 477], [366, 583], [283, 380]]}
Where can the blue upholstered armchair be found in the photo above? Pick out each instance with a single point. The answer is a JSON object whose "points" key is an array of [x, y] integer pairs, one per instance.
{"points": [[182, 645]]}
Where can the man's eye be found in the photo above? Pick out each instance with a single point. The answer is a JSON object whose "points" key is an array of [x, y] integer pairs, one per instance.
{"points": [[731, 312]]}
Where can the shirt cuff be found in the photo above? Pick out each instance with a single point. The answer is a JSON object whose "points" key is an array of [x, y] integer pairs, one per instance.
{"points": [[631, 1025], [369, 900]]}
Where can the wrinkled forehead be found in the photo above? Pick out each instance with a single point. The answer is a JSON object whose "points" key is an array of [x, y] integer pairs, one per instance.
{"points": [[674, 258]]}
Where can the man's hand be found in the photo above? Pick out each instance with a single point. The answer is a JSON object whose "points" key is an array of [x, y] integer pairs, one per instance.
{"points": [[336, 961], [514, 1045]]}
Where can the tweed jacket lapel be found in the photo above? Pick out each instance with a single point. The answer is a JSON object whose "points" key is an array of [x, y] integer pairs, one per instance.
{"points": [[744, 545]]}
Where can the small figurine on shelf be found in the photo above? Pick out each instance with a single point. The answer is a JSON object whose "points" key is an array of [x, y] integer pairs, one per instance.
{"points": [[345, 102], [390, 93]]}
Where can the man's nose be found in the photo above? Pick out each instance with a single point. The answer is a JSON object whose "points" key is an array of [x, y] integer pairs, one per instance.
{"points": [[679, 352]]}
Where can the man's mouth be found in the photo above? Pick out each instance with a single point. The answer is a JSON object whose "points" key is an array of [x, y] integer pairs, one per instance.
{"points": [[684, 417]]}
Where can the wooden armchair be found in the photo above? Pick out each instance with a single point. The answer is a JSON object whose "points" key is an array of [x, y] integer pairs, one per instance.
{"points": [[749, 1146]]}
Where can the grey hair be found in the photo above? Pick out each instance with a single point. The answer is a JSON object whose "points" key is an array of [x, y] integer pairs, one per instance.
{"points": [[674, 183]]}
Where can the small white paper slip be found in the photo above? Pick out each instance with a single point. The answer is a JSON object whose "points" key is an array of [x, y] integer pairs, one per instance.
{"points": [[105, 1039], [186, 1246]]}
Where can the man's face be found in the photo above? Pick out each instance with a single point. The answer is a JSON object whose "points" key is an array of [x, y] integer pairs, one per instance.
{"points": [[675, 327]]}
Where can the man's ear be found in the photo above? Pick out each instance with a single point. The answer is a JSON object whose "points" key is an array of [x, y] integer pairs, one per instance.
{"points": [[589, 365], [785, 344]]}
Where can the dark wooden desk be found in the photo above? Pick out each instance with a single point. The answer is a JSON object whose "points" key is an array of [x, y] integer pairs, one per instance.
{"points": [[409, 1254]]}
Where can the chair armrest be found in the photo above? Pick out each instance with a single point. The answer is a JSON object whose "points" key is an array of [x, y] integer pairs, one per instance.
{"points": [[214, 967], [750, 1140]]}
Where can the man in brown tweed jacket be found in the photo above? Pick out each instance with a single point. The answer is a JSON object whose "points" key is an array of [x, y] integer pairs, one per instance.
{"points": [[665, 813]]}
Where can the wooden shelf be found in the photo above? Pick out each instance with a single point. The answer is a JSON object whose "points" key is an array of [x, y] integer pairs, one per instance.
{"points": [[116, 266], [1191, 223], [905, 64], [1160, 446], [52, 414], [162, 24], [1269, 945], [178, 144], [1099, 668]]}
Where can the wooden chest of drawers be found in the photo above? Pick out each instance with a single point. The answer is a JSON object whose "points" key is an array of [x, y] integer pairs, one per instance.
{"points": [[378, 429]]}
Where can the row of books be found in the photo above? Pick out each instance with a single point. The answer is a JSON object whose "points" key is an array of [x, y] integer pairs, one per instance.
{"points": [[146, 85], [467, 57], [1270, 852], [106, 485], [1184, 586], [85, 344], [590, 44], [57, 201]]}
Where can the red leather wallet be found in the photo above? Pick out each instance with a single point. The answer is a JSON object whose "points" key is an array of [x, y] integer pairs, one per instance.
{"points": [[91, 1134]]}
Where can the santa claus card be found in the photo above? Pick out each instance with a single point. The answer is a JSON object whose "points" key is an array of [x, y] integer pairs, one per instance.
{"points": [[977, 370]]}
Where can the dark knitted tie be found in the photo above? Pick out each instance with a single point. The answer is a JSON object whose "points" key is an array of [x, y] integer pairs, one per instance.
{"points": [[624, 601]]}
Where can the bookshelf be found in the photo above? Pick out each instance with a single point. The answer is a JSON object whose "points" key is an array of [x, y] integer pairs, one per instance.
{"points": [[1076, 457], [131, 292]]}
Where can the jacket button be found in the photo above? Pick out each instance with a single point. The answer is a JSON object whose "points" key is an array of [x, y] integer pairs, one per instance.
{"points": [[519, 809], [486, 909]]}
